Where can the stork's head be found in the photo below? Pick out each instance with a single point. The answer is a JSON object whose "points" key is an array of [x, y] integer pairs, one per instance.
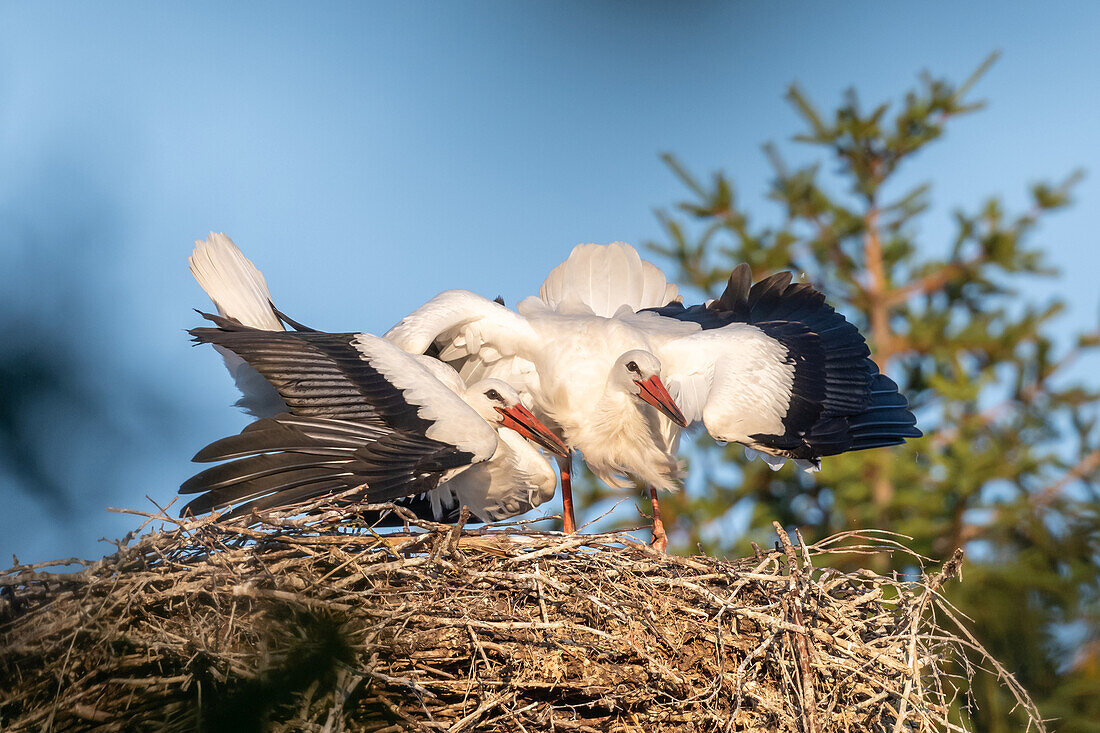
{"points": [[500, 405], [638, 372]]}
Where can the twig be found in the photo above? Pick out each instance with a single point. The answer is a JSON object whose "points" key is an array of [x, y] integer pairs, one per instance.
{"points": [[802, 640]]}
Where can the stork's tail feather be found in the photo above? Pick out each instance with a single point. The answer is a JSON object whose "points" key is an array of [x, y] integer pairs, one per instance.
{"points": [[234, 284], [240, 293], [604, 278]]}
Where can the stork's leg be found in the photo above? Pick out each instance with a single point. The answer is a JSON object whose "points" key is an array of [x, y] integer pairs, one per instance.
{"points": [[660, 539], [566, 466]]}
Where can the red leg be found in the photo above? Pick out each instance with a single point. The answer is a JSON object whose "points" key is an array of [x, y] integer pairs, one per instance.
{"points": [[660, 539], [566, 466]]}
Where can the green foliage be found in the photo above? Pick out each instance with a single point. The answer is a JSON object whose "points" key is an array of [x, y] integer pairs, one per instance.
{"points": [[1010, 459]]}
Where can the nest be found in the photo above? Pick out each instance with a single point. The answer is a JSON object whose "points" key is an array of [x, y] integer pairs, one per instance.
{"points": [[316, 624]]}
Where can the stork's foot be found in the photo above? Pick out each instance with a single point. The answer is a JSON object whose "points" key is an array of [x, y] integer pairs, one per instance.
{"points": [[567, 495], [567, 511], [660, 539]]}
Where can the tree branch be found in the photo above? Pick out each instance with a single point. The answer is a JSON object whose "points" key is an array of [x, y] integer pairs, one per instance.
{"points": [[1089, 462], [931, 282], [995, 412]]}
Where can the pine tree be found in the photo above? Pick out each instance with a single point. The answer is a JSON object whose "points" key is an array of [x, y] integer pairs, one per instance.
{"points": [[1010, 459]]}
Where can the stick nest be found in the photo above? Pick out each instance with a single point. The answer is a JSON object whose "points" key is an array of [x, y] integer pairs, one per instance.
{"points": [[315, 624]]}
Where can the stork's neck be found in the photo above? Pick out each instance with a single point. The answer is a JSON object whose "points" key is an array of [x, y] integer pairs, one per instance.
{"points": [[623, 437], [617, 399]]}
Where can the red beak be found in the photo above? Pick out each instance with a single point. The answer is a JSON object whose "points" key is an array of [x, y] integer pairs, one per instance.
{"points": [[654, 392], [520, 419]]}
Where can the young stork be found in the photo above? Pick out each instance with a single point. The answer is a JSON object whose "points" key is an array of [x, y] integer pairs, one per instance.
{"points": [[770, 365], [515, 479], [365, 414], [776, 369]]}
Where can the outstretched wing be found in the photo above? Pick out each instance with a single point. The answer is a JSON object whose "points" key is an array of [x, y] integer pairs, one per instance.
{"points": [[282, 462], [355, 376], [778, 369]]}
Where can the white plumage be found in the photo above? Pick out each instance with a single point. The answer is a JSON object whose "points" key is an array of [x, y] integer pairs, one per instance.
{"points": [[233, 283], [517, 480], [452, 420], [735, 379]]}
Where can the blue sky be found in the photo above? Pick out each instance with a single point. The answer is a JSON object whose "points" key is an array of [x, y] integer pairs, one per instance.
{"points": [[367, 156]]}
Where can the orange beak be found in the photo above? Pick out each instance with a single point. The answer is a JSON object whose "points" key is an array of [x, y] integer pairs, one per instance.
{"points": [[654, 392], [520, 419]]}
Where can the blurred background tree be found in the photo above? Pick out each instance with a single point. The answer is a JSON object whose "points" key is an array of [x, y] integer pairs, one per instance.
{"points": [[1009, 462], [77, 412]]}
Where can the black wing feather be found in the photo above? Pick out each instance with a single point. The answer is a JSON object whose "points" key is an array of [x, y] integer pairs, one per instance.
{"points": [[280, 462], [287, 320], [249, 468], [317, 374]]}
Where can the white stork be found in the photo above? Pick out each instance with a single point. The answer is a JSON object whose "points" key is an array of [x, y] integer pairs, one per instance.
{"points": [[769, 365], [354, 398], [366, 414]]}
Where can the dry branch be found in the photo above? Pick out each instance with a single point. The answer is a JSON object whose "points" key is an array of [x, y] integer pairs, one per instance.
{"points": [[316, 624]]}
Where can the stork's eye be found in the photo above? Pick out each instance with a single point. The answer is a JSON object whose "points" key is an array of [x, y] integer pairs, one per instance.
{"points": [[494, 395], [633, 366]]}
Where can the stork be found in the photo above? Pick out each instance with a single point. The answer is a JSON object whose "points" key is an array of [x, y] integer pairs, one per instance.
{"points": [[509, 480], [777, 369], [770, 365], [364, 413]]}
